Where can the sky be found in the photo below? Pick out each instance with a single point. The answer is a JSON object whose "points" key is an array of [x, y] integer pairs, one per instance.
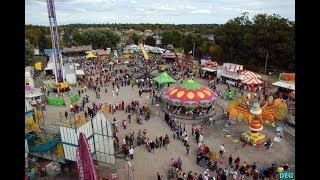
{"points": [[154, 11]]}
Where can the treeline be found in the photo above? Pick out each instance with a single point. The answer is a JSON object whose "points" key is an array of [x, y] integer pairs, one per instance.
{"points": [[240, 40], [196, 28]]}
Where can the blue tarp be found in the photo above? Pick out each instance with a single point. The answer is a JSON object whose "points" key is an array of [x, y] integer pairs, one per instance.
{"points": [[45, 146], [47, 52]]}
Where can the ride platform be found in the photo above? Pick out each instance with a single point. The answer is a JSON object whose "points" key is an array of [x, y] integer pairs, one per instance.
{"points": [[253, 138]]}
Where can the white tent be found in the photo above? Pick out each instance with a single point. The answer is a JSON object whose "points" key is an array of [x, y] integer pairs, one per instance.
{"points": [[80, 72], [209, 69], [27, 106], [33, 94], [285, 85]]}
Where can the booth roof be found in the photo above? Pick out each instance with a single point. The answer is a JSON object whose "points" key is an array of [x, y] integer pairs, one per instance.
{"points": [[284, 85], [164, 78], [91, 55]]}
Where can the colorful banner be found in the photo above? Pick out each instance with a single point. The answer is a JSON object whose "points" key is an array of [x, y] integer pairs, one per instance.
{"points": [[74, 97], [55, 101]]}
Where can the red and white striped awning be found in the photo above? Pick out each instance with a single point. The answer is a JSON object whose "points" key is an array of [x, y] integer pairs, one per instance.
{"points": [[252, 81], [250, 74], [251, 78]]}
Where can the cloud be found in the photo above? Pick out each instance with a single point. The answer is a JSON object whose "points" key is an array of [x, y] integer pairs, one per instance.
{"points": [[160, 11], [201, 11]]}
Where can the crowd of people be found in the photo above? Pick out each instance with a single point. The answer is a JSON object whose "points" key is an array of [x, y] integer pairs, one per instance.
{"points": [[102, 77]]}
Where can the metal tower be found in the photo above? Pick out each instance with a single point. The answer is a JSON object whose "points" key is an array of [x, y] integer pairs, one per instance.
{"points": [[57, 58]]}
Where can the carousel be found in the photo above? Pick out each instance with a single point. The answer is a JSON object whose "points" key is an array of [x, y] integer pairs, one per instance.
{"points": [[189, 98], [249, 111]]}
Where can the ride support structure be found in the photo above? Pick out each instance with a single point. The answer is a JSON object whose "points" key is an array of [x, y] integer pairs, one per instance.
{"points": [[57, 58]]}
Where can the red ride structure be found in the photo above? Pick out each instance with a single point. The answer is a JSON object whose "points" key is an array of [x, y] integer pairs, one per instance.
{"points": [[87, 170]]}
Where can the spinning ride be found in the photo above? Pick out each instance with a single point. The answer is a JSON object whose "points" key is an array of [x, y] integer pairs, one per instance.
{"points": [[189, 98], [249, 110], [61, 87]]}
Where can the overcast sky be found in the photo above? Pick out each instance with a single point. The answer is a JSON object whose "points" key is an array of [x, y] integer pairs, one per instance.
{"points": [[154, 11]]}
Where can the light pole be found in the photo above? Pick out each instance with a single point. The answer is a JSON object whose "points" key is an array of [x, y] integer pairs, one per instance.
{"points": [[265, 66]]}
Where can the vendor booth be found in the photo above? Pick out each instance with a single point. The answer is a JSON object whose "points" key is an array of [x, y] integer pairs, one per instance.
{"points": [[286, 85], [231, 73], [251, 80], [209, 69]]}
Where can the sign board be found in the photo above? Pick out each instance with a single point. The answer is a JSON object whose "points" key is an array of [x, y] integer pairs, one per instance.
{"points": [[235, 68]]}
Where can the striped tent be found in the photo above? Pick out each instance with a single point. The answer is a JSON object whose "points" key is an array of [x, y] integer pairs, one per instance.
{"points": [[251, 78]]}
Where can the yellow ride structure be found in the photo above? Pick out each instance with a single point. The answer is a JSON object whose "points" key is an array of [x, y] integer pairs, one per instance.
{"points": [[249, 111]]}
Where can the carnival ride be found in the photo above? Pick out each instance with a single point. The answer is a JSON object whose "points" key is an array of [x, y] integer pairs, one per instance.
{"points": [[85, 161], [189, 98], [144, 52], [250, 112], [61, 87]]}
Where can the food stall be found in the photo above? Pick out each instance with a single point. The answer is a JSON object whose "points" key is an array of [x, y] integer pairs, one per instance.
{"points": [[286, 85], [231, 73], [209, 69]]}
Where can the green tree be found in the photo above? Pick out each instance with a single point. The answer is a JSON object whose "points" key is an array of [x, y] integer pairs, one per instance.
{"points": [[188, 43], [172, 37], [135, 38], [28, 52], [150, 41], [215, 51], [44, 41], [99, 39], [32, 34]]}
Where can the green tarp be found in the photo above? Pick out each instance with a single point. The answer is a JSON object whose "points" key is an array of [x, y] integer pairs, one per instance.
{"points": [[164, 78], [56, 101], [74, 97]]}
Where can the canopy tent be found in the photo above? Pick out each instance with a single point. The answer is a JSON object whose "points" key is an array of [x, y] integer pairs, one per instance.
{"points": [[285, 85], [90, 55], [169, 54], [164, 78], [33, 94], [209, 69], [27, 106], [80, 72], [251, 78]]}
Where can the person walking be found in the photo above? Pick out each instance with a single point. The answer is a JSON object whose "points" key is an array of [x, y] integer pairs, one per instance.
{"points": [[125, 124], [188, 148], [158, 176], [166, 142], [221, 150], [60, 117], [152, 145], [237, 162], [230, 160], [66, 114], [131, 152], [192, 129]]}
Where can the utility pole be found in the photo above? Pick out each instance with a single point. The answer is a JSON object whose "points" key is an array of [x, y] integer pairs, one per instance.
{"points": [[265, 66]]}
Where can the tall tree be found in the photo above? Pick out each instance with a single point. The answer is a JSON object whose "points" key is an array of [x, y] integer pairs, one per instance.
{"points": [[150, 41], [28, 52]]}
